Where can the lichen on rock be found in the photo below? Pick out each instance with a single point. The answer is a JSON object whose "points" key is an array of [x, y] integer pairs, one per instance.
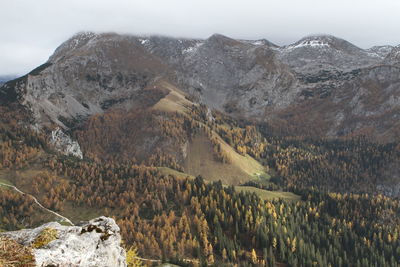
{"points": [[45, 237]]}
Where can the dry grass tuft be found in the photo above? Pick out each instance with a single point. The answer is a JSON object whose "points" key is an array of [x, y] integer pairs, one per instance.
{"points": [[45, 237], [13, 254]]}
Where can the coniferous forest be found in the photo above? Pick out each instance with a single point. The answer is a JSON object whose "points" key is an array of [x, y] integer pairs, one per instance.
{"points": [[345, 214]]}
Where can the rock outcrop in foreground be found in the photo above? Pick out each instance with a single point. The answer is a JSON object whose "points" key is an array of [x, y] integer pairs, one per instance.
{"points": [[96, 243]]}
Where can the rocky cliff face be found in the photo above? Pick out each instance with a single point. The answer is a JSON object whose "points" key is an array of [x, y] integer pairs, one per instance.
{"points": [[227, 74], [94, 244], [322, 81], [65, 144], [86, 75]]}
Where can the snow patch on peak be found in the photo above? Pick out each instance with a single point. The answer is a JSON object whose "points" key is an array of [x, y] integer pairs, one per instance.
{"points": [[393, 57], [79, 39], [325, 37], [83, 36], [258, 42], [310, 43], [76, 41], [63, 143], [143, 41], [192, 49], [316, 41], [380, 51]]}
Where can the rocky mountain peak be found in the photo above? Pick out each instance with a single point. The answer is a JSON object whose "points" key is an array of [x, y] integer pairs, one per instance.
{"points": [[261, 42], [219, 39], [75, 42], [315, 41], [324, 41], [326, 52], [86, 75], [168, 48], [380, 50]]}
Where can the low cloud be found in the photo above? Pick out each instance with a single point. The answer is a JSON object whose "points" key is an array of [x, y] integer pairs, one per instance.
{"points": [[31, 30]]}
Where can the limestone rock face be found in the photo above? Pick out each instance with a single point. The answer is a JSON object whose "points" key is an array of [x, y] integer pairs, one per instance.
{"points": [[65, 144], [95, 244]]}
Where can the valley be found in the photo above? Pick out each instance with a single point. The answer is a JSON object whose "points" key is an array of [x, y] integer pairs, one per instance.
{"points": [[214, 152]]}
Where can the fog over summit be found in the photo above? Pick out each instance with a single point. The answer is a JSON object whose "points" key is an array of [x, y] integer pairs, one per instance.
{"points": [[33, 29]]}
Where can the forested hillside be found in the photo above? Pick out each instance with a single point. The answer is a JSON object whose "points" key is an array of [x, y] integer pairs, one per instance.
{"points": [[340, 219]]}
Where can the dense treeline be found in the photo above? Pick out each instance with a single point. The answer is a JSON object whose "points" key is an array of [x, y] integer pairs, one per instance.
{"points": [[19, 211], [14, 208], [18, 146], [338, 165], [169, 217], [354, 165], [149, 137]]}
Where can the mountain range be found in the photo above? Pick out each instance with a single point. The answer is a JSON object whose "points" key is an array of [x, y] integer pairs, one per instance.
{"points": [[320, 85]]}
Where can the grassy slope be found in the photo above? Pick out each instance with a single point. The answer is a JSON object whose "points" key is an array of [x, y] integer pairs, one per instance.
{"points": [[246, 163], [263, 194], [175, 101], [266, 194], [200, 159], [3, 180], [178, 174]]}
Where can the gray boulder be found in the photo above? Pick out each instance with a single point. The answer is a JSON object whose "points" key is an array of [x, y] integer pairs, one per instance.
{"points": [[94, 244]]}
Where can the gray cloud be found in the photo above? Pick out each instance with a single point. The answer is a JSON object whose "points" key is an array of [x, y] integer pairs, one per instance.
{"points": [[31, 30]]}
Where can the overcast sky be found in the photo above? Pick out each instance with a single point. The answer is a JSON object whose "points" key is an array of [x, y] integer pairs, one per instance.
{"points": [[32, 29]]}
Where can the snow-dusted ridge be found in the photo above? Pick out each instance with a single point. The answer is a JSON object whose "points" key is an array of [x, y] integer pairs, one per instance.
{"points": [[309, 43], [380, 51], [316, 52], [91, 73], [260, 42], [192, 49]]}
